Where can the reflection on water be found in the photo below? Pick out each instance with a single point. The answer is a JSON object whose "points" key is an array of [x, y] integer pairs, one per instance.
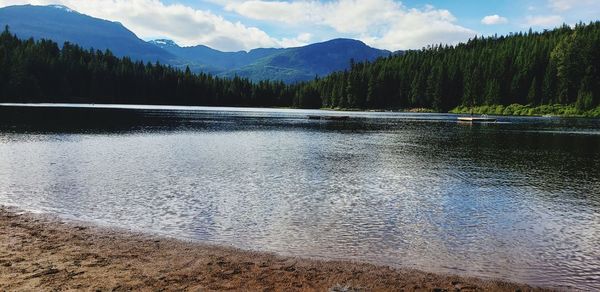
{"points": [[517, 200]]}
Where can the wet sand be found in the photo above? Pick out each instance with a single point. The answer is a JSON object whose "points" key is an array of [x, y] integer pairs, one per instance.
{"points": [[43, 253]]}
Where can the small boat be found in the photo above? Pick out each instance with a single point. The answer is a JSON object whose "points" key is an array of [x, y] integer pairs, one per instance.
{"points": [[329, 118], [481, 119]]}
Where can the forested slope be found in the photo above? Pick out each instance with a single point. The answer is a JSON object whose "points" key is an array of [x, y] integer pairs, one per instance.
{"points": [[40, 71], [561, 66]]}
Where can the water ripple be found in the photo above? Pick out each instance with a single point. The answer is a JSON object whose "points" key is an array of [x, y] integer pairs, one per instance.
{"points": [[517, 201]]}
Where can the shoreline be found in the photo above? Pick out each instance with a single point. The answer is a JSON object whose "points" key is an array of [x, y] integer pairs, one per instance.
{"points": [[519, 110], [515, 110], [42, 252]]}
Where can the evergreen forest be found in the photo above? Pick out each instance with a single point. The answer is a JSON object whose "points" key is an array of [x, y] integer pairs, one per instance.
{"points": [[549, 68]]}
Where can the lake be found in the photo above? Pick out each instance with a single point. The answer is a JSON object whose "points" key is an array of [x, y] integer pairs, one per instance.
{"points": [[517, 200]]}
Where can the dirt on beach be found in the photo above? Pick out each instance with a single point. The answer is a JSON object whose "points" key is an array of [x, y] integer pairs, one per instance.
{"points": [[39, 253]]}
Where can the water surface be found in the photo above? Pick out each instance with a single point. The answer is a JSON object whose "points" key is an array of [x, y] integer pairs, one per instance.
{"points": [[517, 200]]}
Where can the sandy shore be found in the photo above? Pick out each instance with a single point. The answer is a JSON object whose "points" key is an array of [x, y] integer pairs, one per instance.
{"points": [[43, 253]]}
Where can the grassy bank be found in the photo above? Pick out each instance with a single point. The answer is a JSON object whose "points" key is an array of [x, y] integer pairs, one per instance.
{"points": [[529, 110]]}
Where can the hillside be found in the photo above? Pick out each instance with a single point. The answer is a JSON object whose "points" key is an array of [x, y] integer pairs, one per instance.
{"points": [[557, 67], [203, 58], [61, 24], [289, 65], [304, 63], [560, 66]]}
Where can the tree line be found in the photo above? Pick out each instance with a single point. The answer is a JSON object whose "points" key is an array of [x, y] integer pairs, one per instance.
{"points": [[560, 66], [41, 71]]}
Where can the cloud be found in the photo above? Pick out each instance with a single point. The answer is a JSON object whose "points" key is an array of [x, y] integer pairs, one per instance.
{"points": [[185, 25], [545, 21], [381, 23], [300, 40], [284, 12], [494, 19], [566, 5], [385, 24], [417, 29], [557, 12], [560, 5]]}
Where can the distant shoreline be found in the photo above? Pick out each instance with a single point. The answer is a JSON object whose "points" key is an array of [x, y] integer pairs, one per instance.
{"points": [[43, 253], [514, 110]]}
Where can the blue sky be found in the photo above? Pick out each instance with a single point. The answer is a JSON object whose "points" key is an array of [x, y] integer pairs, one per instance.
{"points": [[388, 24]]}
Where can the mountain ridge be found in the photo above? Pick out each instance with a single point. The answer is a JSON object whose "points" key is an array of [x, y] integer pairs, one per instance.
{"points": [[304, 63], [287, 64], [62, 24], [212, 60]]}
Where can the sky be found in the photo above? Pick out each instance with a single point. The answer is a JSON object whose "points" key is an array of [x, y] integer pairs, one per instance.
{"points": [[386, 24]]}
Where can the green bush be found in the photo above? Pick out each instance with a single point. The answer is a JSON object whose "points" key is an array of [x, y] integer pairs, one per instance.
{"points": [[529, 110]]}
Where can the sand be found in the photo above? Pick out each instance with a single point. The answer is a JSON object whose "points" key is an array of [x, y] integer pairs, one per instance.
{"points": [[44, 253]]}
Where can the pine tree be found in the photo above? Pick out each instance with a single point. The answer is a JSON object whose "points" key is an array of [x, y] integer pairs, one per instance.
{"points": [[532, 96]]}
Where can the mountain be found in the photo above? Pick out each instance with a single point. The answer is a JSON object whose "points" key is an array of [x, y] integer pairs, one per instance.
{"points": [[304, 63], [61, 24], [289, 65], [203, 58]]}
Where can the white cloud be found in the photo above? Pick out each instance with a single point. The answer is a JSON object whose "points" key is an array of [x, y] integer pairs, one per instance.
{"points": [[285, 12], [381, 23], [416, 29], [300, 40], [185, 25], [566, 5], [494, 19], [545, 21], [557, 12], [560, 5]]}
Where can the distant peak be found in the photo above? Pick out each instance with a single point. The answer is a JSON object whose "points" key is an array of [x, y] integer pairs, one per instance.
{"points": [[61, 7], [164, 43], [340, 41]]}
